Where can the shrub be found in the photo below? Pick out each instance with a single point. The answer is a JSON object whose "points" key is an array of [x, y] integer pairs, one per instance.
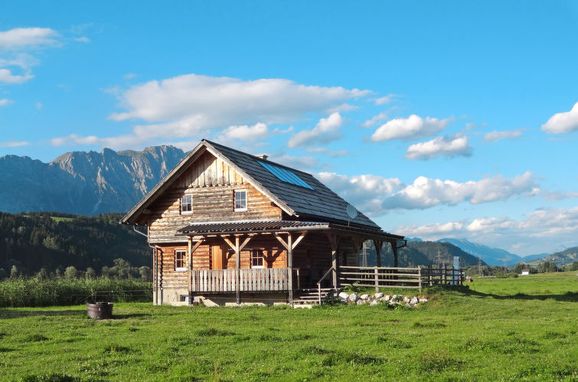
{"points": [[30, 292]]}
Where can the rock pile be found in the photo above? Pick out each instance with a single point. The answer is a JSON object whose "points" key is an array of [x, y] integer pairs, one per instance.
{"points": [[379, 298]]}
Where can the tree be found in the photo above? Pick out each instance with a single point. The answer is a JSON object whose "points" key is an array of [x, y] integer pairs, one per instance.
{"points": [[70, 272], [14, 272], [145, 273], [547, 266], [90, 273], [42, 274]]}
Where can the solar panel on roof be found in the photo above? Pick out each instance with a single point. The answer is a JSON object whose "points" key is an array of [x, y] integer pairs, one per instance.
{"points": [[285, 175]]}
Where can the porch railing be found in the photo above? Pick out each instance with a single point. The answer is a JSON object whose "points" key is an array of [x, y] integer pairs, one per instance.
{"points": [[251, 280]]}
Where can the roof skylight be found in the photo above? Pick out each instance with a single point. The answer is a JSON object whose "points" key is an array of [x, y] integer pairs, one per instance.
{"points": [[285, 175]]}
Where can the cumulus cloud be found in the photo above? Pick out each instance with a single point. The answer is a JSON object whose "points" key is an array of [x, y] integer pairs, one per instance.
{"points": [[411, 127], [5, 102], [500, 135], [564, 122], [16, 44], [326, 130], [21, 38], [543, 230], [441, 146], [191, 105], [244, 133], [377, 195]]}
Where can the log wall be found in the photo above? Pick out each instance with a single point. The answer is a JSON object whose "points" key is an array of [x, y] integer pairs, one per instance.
{"points": [[212, 184]]}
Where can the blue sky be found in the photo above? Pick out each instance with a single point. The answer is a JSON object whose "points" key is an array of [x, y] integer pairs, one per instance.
{"points": [[437, 118]]}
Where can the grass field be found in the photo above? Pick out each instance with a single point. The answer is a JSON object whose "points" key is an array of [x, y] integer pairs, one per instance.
{"points": [[501, 329]]}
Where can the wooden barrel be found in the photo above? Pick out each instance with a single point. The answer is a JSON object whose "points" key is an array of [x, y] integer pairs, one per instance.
{"points": [[99, 310]]}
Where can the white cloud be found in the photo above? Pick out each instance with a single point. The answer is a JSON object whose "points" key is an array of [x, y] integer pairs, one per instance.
{"points": [[244, 133], [375, 119], [15, 61], [300, 162], [441, 146], [326, 130], [14, 143], [7, 76], [543, 230], [218, 101], [5, 102], [499, 135], [377, 195], [411, 127], [564, 122], [190, 105], [24, 38], [384, 100]]}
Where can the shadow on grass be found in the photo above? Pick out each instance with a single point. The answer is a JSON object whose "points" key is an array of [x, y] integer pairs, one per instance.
{"points": [[9, 313], [17, 313], [567, 297]]}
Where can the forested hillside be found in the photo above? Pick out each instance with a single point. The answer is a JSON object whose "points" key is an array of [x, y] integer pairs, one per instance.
{"points": [[53, 242]]}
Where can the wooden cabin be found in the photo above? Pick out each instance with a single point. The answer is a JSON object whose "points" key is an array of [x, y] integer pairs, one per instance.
{"points": [[229, 226]]}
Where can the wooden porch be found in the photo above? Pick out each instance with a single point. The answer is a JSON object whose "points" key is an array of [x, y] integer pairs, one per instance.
{"points": [[250, 280]]}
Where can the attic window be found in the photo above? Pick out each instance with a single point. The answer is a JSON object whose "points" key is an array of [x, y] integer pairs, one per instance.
{"points": [[285, 175], [240, 200], [187, 204]]}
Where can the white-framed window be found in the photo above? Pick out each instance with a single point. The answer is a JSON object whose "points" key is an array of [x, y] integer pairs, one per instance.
{"points": [[180, 260], [187, 204], [257, 259], [240, 200]]}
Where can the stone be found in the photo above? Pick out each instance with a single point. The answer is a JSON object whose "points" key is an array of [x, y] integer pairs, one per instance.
{"points": [[343, 295], [414, 301], [364, 296], [387, 297], [360, 302], [374, 302], [378, 295], [353, 297], [405, 299]]}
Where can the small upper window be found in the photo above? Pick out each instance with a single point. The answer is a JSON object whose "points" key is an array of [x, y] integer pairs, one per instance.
{"points": [[180, 257], [240, 200], [187, 204], [257, 259]]}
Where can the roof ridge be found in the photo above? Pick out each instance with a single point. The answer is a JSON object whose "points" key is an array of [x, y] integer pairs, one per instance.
{"points": [[256, 157]]}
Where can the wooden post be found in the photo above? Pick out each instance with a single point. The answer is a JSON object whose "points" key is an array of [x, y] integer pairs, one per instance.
{"points": [[161, 277], [155, 278], [429, 274], [378, 244], [290, 266], [238, 270], [333, 242], [395, 254], [190, 266], [419, 275], [376, 274]]}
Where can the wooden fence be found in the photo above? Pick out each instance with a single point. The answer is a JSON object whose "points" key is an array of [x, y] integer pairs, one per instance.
{"points": [[397, 277], [251, 280]]}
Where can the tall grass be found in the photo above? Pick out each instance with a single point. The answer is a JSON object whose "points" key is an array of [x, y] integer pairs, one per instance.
{"points": [[29, 292]]}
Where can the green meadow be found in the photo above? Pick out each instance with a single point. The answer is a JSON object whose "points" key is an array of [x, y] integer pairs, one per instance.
{"points": [[515, 329]]}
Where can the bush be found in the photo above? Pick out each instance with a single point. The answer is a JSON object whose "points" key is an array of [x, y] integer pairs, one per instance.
{"points": [[21, 292]]}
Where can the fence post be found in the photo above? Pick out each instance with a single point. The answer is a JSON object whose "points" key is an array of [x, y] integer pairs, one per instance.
{"points": [[445, 279], [376, 275], [419, 275]]}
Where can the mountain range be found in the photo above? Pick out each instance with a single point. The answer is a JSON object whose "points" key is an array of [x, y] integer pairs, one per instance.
{"points": [[92, 183], [85, 183]]}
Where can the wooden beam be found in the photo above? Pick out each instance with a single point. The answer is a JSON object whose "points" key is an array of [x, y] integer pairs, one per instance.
{"points": [[238, 270], [283, 242], [290, 266], [378, 244], [247, 240], [229, 243], [298, 240], [395, 254], [333, 242]]}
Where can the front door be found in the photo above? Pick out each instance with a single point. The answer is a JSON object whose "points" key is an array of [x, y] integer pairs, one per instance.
{"points": [[217, 257]]}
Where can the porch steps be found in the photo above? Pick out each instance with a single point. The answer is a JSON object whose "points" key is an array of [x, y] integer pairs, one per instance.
{"points": [[308, 298]]}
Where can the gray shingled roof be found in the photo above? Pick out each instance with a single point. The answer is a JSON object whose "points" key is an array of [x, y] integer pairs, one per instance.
{"points": [[320, 202]]}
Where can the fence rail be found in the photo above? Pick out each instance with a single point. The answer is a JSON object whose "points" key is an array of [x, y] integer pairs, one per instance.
{"points": [[250, 280], [397, 277]]}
